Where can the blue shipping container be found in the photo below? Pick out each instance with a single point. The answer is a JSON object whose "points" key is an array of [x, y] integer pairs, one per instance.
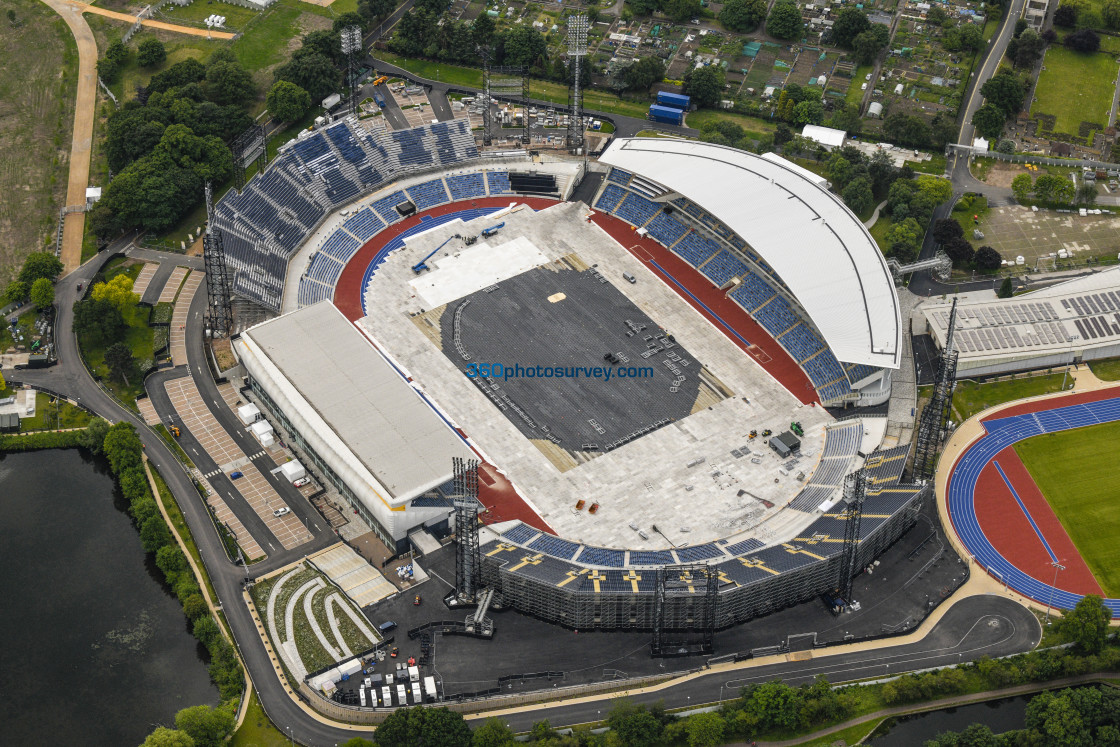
{"points": [[677, 100], [665, 114]]}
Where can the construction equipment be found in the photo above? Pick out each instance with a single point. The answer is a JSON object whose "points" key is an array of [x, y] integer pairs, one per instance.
{"points": [[174, 431], [380, 80], [488, 232], [420, 266], [797, 429]]}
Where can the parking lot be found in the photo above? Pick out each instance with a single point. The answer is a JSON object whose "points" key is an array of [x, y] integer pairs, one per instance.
{"points": [[414, 104], [221, 448], [1015, 230], [178, 342]]}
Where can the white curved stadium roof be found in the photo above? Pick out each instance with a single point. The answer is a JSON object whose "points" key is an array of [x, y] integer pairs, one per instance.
{"points": [[812, 240]]}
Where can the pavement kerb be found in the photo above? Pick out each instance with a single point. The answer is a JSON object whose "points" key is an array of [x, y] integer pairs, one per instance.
{"points": [[243, 707], [962, 438]]}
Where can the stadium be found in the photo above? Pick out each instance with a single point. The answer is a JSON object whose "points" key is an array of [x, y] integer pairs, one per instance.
{"points": [[704, 492]]}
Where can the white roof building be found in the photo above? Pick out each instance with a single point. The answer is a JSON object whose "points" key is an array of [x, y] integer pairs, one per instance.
{"points": [[818, 247], [826, 136], [355, 412], [1078, 319]]}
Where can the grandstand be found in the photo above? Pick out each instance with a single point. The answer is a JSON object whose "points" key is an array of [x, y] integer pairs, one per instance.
{"points": [[799, 273], [589, 587], [319, 173]]}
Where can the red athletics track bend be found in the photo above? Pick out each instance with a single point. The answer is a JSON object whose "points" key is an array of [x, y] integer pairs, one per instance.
{"points": [[348, 290], [1053, 403], [501, 501], [763, 348], [1011, 534]]}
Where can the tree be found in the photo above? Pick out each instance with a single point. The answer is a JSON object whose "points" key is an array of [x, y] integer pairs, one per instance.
{"points": [[868, 44], [1028, 49], [1021, 187], [151, 52], [1055, 189], [903, 239], [938, 190], [808, 112], [682, 10], [207, 726], [117, 292], [1087, 624], [743, 15], [437, 727], [39, 265], [988, 121], [1006, 289], [634, 725], [644, 73], [1084, 40], [522, 46], [906, 129], [705, 85], [858, 196], [1065, 16], [195, 607], [1110, 13], [108, 70], [377, 10], [987, 258], [1006, 92], [120, 361], [16, 291], [287, 102], [313, 73], [840, 170], [164, 737], [705, 729], [42, 293], [947, 229], [100, 321], [189, 70], [850, 23], [493, 733], [959, 250], [228, 82], [785, 20]]}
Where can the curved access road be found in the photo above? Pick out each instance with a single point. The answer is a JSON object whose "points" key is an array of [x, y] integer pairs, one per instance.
{"points": [[85, 109]]}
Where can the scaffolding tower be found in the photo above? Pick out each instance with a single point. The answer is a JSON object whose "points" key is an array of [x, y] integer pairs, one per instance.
{"points": [[684, 614], [247, 148], [577, 50], [352, 48], [468, 565], [854, 492], [936, 414], [219, 307], [508, 84]]}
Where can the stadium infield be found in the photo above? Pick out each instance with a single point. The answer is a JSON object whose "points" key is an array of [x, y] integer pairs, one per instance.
{"points": [[1074, 471]]}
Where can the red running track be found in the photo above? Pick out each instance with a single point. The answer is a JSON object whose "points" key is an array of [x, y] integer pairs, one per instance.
{"points": [[762, 348], [1007, 528], [348, 289], [1078, 398], [501, 501]]}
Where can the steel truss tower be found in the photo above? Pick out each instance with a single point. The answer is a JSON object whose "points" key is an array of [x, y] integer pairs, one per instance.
{"points": [[936, 413], [247, 148], [854, 492], [684, 614], [352, 48], [509, 84], [219, 309], [468, 564], [577, 50]]}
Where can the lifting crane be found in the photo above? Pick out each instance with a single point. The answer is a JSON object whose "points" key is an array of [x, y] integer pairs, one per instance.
{"points": [[420, 266]]}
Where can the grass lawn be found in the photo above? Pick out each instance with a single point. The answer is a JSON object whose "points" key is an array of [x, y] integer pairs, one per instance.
{"points": [[855, 93], [256, 730], [981, 167], [1106, 370], [851, 735], [51, 413], [1088, 101], [1074, 470], [40, 63], [971, 397], [137, 335], [879, 231], [754, 126], [967, 207], [935, 165]]}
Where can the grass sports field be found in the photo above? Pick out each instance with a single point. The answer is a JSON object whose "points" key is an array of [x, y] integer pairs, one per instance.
{"points": [[1075, 470], [1089, 101]]}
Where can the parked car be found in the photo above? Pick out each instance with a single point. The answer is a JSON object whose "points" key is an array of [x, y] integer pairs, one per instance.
{"points": [[301, 482], [235, 475], [281, 511]]}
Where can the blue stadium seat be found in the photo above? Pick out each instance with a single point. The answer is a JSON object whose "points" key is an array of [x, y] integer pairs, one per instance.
{"points": [[428, 194], [610, 198], [696, 249], [666, 230], [466, 186], [618, 176], [722, 267], [498, 182], [363, 224]]}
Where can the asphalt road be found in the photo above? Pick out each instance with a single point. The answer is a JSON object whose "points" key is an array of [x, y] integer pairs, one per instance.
{"points": [[988, 67]]}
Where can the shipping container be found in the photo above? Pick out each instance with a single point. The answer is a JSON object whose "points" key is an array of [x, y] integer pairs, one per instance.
{"points": [[665, 114], [675, 100]]}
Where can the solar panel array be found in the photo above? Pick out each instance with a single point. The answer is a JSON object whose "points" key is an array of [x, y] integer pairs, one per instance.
{"points": [[268, 221]]}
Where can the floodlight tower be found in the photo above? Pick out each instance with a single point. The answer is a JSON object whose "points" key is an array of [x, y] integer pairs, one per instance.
{"points": [[352, 47], [219, 304], [936, 413], [577, 50]]}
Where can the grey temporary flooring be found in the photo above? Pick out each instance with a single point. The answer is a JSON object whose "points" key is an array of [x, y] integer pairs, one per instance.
{"points": [[681, 477]]}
